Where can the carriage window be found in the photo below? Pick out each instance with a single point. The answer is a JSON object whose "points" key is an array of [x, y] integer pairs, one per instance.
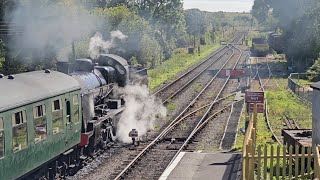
{"points": [[57, 120], [39, 111], [56, 105], [1, 138], [40, 123], [19, 131], [76, 108], [68, 112]]}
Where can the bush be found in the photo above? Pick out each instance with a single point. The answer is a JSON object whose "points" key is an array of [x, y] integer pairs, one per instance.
{"points": [[203, 41], [182, 42], [141, 42], [149, 54]]}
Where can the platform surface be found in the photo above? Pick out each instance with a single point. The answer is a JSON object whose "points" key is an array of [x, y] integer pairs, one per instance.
{"points": [[203, 166]]}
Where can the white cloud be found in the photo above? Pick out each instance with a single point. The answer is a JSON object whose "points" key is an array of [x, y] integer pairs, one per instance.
{"points": [[219, 5]]}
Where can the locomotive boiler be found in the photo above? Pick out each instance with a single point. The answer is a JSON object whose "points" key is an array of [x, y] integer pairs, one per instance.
{"points": [[51, 121]]}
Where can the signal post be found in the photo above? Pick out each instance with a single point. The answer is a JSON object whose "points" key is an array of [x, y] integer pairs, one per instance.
{"points": [[255, 105]]}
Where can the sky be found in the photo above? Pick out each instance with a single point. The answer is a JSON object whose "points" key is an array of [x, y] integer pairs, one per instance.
{"points": [[219, 5]]}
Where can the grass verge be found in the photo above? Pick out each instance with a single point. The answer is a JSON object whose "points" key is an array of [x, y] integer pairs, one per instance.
{"points": [[177, 64], [303, 82], [281, 103]]}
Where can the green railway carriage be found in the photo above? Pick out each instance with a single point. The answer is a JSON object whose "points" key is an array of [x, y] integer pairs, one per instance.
{"points": [[52, 122], [40, 120]]}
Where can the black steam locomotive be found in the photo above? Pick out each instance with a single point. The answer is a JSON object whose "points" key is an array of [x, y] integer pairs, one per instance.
{"points": [[51, 121]]}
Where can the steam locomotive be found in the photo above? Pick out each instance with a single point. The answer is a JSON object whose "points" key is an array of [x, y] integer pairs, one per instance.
{"points": [[51, 121]]}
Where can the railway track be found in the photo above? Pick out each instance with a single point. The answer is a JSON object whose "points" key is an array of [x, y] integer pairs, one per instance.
{"points": [[174, 138], [172, 89], [186, 78], [219, 130], [262, 85], [290, 123]]}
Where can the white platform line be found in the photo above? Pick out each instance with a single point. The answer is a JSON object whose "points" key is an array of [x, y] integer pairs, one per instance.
{"points": [[168, 171]]}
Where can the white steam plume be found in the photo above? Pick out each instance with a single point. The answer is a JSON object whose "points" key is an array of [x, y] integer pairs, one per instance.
{"points": [[50, 26], [117, 34], [97, 44], [141, 111]]}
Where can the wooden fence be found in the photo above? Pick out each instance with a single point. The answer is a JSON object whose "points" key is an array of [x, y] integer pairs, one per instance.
{"points": [[277, 162]]}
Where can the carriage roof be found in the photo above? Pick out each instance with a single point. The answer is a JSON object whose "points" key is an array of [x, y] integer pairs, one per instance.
{"points": [[35, 86]]}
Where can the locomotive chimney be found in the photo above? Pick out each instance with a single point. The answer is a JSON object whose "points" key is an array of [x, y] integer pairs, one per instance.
{"points": [[63, 67]]}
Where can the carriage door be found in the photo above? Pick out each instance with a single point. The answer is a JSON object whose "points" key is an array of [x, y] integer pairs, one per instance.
{"points": [[69, 116]]}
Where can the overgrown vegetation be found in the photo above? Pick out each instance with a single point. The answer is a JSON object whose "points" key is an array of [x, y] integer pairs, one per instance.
{"points": [[154, 30], [284, 104], [171, 106], [298, 21], [180, 61], [281, 104]]}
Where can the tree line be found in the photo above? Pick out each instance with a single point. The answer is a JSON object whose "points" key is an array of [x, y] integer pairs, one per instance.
{"points": [[154, 30], [298, 21]]}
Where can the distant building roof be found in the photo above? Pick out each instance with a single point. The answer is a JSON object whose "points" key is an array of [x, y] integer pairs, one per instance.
{"points": [[34, 86]]}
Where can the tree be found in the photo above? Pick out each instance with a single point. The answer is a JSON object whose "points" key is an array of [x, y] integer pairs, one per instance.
{"points": [[261, 10], [141, 43], [196, 23], [298, 21]]}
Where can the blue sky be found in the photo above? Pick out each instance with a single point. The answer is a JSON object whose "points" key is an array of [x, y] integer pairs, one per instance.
{"points": [[219, 5]]}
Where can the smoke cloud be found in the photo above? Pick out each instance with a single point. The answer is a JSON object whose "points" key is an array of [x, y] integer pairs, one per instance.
{"points": [[98, 45], [50, 26], [141, 112]]}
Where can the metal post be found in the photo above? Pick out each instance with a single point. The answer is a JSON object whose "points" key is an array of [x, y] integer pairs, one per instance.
{"points": [[255, 115], [73, 51], [247, 116]]}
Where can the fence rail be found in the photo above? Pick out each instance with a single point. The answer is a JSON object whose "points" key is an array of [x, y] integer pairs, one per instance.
{"points": [[279, 162], [303, 92]]}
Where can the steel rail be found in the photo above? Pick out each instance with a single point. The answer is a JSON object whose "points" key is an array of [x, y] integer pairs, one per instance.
{"points": [[226, 128], [183, 118], [169, 127], [212, 116], [288, 123], [291, 123], [204, 116], [266, 107], [227, 123], [193, 79], [189, 71], [219, 100]]}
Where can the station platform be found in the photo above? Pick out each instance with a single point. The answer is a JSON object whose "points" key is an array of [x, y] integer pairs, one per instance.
{"points": [[203, 166]]}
